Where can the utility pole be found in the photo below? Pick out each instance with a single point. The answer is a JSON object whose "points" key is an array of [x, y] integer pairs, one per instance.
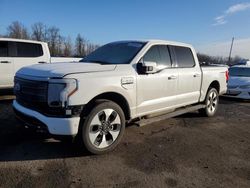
{"points": [[230, 53]]}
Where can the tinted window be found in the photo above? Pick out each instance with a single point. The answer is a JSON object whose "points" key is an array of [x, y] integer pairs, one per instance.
{"points": [[3, 49], [239, 71], [115, 53], [28, 49], [158, 54], [152, 55], [165, 57], [184, 57]]}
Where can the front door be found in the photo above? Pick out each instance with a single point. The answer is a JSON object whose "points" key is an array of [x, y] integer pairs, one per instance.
{"points": [[156, 92]]}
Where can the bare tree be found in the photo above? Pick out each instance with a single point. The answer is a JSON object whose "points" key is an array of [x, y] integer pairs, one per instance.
{"points": [[90, 47], [58, 44], [53, 36], [67, 47], [39, 31], [17, 30], [80, 46]]}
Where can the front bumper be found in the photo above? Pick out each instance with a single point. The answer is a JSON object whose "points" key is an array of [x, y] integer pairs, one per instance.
{"points": [[54, 125]]}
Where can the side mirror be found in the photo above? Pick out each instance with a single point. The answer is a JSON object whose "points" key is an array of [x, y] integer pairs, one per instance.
{"points": [[147, 67]]}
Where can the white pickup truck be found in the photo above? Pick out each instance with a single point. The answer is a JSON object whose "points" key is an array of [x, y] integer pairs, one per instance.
{"points": [[16, 53], [118, 83]]}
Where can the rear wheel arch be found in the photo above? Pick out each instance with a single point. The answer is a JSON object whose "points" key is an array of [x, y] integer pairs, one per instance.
{"points": [[216, 85]]}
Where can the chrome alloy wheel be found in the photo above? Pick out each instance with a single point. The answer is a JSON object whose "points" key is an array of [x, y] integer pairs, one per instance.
{"points": [[212, 102], [104, 128]]}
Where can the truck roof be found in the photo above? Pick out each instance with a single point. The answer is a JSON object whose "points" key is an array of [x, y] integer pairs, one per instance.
{"points": [[20, 40], [156, 41]]}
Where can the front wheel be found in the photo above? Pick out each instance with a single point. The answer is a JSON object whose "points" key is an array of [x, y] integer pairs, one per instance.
{"points": [[103, 128], [211, 103]]}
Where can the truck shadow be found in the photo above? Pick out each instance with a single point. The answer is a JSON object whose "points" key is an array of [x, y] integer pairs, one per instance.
{"points": [[17, 144]]}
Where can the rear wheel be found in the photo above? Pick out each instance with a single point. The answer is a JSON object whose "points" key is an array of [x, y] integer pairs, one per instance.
{"points": [[211, 103], [103, 128]]}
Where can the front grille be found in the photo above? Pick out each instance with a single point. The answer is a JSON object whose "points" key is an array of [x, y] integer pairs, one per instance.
{"points": [[31, 93]]}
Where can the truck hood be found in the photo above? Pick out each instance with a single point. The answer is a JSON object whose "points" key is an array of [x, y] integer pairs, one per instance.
{"points": [[61, 69]]}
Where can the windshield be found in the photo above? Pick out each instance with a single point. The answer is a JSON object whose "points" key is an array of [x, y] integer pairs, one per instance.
{"points": [[115, 53], [239, 71]]}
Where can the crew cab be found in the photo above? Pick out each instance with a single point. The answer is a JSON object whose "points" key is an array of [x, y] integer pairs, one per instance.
{"points": [[16, 53], [118, 83]]}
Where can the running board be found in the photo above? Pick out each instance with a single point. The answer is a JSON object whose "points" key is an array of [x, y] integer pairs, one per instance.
{"points": [[177, 112]]}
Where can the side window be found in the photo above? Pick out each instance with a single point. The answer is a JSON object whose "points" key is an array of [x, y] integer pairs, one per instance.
{"points": [[184, 56], [3, 49], [158, 54], [152, 55], [28, 49], [165, 57]]}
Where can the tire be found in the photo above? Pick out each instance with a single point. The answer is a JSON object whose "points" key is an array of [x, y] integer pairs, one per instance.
{"points": [[211, 102], [102, 129]]}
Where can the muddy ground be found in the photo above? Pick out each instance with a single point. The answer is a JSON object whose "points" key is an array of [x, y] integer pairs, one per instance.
{"points": [[186, 151]]}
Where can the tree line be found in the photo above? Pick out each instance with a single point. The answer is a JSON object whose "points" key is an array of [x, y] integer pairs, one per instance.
{"points": [[63, 46], [58, 44]]}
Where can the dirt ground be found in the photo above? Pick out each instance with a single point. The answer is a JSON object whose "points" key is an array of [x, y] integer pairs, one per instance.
{"points": [[186, 151]]}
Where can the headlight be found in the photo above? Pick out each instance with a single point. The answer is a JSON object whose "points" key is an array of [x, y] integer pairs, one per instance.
{"points": [[245, 87], [59, 90]]}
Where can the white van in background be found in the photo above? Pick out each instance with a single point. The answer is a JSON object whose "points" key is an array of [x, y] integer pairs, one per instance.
{"points": [[16, 53]]}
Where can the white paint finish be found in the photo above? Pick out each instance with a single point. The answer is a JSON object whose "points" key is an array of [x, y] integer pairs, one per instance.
{"points": [[151, 93], [62, 69], [64, 59], [8, 70], [156, 91], [189, 85], [210, 74], [58, 126]]}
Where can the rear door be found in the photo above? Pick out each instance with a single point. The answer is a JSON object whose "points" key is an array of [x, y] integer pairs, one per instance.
{"points": [[189, 83], [25, 54], [6, 66]]}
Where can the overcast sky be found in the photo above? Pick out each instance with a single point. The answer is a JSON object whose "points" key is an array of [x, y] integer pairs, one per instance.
{"points": [[208, 24]]}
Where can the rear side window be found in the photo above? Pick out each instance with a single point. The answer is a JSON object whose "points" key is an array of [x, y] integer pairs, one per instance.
{"points": [[28, 49], [184, 57], [158, 54], [3, 49]]}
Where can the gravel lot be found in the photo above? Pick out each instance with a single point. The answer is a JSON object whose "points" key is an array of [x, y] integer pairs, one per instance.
{"points": [[187, 151]]}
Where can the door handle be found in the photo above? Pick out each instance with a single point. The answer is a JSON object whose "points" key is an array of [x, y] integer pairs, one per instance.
{"points": [[196, 75], [172, 77], [5, 62]]}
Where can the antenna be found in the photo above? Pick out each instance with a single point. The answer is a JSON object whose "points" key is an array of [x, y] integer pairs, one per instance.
{"points": [[230, 53]]}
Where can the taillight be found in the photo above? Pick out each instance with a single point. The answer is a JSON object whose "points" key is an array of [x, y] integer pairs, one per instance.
{"points": [[227, 75]]}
